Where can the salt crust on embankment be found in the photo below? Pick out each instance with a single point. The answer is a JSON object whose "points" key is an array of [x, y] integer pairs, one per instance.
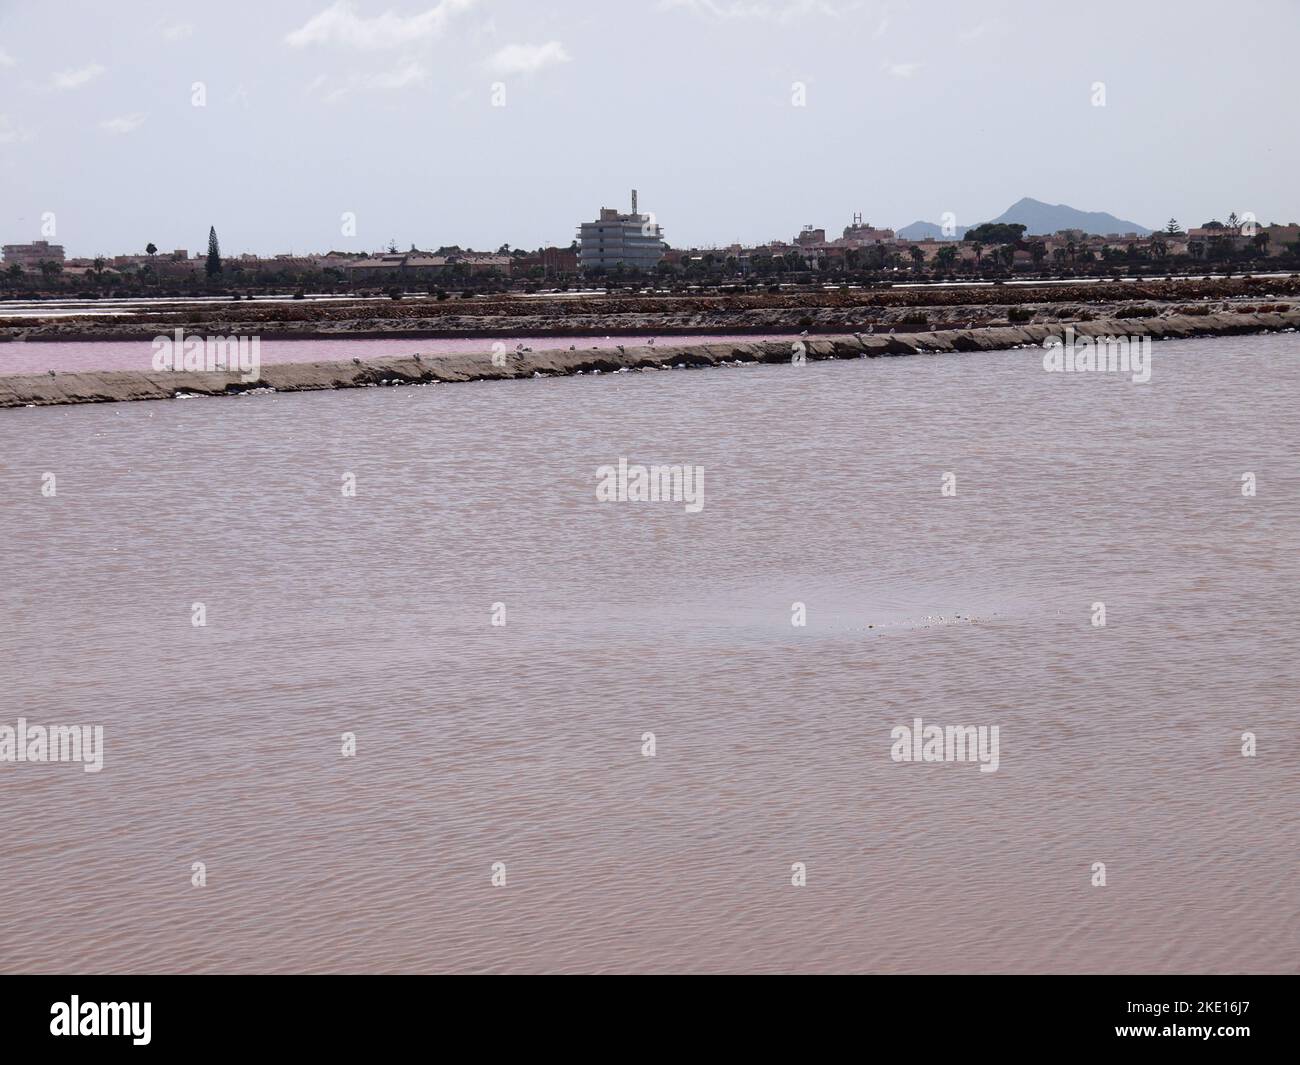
{"points": [[119, 385]]}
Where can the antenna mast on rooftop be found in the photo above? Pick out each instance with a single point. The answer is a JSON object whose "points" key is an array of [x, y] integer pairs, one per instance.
{"points": [[857, 218], [634, 201]]}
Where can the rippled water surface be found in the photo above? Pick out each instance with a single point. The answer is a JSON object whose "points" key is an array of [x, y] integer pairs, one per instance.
{"points": [[522, 744]]}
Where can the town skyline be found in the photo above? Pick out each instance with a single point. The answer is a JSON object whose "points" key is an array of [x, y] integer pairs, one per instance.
{"points": [[396, 243]]}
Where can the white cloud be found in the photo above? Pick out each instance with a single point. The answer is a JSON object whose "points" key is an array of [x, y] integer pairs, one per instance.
{"points": [[402, 76], [902, 70], [779, 11], [177, 31], [527, 58], [75, 79], [340, 24], [11, 134], [6, 60], [122, 124], [398, 78]]}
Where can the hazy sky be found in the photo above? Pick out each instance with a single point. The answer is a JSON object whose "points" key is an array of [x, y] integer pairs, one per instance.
{"points": [[385, 108]]}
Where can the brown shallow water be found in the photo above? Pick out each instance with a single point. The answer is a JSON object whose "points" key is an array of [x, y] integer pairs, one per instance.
{"points": [[522, 744]]}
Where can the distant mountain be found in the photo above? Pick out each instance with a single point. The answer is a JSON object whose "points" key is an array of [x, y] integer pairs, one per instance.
{"points": [[1036, 217], [925, 230], [1039, 217]]}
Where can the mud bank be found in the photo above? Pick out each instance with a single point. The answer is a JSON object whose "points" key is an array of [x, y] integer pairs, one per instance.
{"points": [[119, 386], [833, 312]]}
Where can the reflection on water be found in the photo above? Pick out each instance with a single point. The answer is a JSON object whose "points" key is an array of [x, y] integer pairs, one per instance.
{"points": [[522, 744]]}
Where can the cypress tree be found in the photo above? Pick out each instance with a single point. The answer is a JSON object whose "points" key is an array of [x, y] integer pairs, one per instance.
{"points": [[214, 253]]}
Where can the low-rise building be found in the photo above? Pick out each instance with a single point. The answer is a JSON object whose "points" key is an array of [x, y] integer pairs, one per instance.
{"points": [[30, 256], [414, 265], [1212, 240], [552, 262], [481, 262], [863, 233], [932, 249], [386, 266], [1281, 240]]}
